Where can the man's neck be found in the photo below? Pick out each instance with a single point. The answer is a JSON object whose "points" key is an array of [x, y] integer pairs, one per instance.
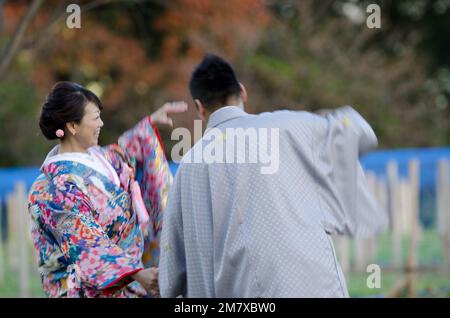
{"points": [[234, 103]]}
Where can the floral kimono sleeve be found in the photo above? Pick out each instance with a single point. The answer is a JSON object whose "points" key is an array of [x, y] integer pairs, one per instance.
{"points": [[142, 143], [96, 264]]}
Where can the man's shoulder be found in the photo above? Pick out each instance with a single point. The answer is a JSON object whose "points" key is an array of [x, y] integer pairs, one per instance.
{"points": [[285, 114], [284, 119]]}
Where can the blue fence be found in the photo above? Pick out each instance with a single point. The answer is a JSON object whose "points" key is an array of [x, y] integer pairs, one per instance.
{"points": [[428, 158], [375, 161]]}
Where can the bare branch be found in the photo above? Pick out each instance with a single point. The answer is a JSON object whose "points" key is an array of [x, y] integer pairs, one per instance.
{"points": [[13, 47], [99, 3], [16, 44], [60, 13], [2, 3]]}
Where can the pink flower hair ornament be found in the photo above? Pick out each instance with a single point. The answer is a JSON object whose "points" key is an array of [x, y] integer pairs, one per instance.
{"points": [[60, 133]]}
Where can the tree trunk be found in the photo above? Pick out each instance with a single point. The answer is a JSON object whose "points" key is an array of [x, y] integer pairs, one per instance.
{"points": [[2, 2]]}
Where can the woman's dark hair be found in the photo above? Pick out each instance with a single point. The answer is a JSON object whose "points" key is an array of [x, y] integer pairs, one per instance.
{"points": [[65, 103]]}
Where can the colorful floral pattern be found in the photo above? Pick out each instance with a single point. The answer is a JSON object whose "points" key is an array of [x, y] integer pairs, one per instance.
{"points": [[154, 179], [84, 229]]}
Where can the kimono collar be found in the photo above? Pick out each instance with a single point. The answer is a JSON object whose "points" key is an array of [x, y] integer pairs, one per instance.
{"points": [[93, 159], [224, 114], [54, 156]]}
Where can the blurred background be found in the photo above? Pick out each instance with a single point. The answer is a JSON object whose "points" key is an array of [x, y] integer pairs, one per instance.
{"points": [[300, 55]]}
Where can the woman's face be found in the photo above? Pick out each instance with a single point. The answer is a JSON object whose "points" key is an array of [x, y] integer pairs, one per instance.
{"points": [[88, 129]]}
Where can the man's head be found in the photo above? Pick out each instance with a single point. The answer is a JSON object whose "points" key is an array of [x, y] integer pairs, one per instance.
{"points": [[214, 85]]}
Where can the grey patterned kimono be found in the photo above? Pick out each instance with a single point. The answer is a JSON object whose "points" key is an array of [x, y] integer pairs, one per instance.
{"points": [[231, 231]]}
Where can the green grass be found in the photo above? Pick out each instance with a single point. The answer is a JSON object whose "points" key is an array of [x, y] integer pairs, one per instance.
{"points": [[10, 287], [429, 252], [429, 284]]}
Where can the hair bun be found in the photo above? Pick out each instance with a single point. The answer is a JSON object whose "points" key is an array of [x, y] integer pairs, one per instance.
{"points": [[65, 103]]}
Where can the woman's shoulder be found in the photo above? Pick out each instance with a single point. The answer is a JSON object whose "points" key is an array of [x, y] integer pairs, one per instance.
{"points": [[54, 191], [58, 176], [38, 188]]}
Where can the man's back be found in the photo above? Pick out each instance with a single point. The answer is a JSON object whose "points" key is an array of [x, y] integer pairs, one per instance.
{"points": [[231, 230]]}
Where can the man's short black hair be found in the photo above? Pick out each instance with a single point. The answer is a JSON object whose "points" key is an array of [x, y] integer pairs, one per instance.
{"points": [[213, 82]]}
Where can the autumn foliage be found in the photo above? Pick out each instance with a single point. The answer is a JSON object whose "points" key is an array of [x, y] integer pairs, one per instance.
{"points": [[290, 54]]}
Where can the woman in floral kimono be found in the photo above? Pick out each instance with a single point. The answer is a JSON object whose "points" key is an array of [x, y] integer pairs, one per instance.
{"points": [[96, 211]]}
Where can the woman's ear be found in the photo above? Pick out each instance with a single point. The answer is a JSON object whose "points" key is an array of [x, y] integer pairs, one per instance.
{"points": [[243, 93], [71, 127]]}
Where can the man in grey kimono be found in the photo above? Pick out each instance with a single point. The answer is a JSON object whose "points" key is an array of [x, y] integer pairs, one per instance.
{"points": [[232, 229]]}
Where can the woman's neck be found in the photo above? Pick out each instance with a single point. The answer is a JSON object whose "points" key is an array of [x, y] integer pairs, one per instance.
{"points": [[67, 146]]}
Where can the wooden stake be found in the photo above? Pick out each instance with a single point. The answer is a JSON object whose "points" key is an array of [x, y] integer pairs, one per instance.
{"points": [[24, 274], [12, 231], [394, 212], [2, 261], [443, 211], [371, 244], [412, 261]]}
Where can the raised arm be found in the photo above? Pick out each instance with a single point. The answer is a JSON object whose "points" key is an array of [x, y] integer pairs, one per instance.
{"points": [[349, 207], [143, 144]]}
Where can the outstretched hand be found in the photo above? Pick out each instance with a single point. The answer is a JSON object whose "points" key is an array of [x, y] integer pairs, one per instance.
{"points": [[162, 115]]}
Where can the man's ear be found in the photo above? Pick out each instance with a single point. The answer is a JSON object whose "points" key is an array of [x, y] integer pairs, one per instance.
{"points": [[243, 93], [200, 109]]}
